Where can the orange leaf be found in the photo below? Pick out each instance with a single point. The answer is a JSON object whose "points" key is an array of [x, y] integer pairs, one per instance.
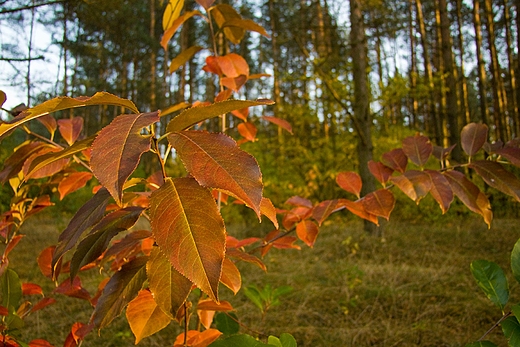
{"points": [[224, 95], [267, 209], [197, 338], [231, 276], [350, 181], [248, 131], [40, 343], [440, 190], [77, 333], [295, 215], [395, 159], [70, 129], [233, 65], [170, 289], [234, 83], [380, 171], [144, 316], [216, 161], [117, 149], [168, 34], [380, 203], [238, 254], [358, 208], [50, 123], [307, 231], [47, 170], [299, 201], [242, 113], [45, 260], [206, 318], [418, 149], [323, 210], [188, 228], [43, 303], [472, 137], [73, 182], [210, 305], [12, 244], [282, 123], [31, 289]]}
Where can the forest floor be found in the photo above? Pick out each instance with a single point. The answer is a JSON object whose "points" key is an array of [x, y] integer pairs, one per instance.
{"points": [[412, 287]]}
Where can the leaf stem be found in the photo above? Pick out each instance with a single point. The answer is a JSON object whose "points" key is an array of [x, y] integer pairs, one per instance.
{"points": [[495, 325], [185, 323]]}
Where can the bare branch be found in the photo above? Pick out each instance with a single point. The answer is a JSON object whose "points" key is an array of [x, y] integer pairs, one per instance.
{"points": [[41, 57], [29, 7]]}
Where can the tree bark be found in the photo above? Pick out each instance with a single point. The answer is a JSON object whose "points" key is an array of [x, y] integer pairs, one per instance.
{"points": [[481, 68], [511, 66], [463, 81]]}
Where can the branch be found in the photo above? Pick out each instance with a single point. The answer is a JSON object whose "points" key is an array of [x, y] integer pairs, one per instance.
{"points": [[41, 57], [30, 7], [495, 325]]}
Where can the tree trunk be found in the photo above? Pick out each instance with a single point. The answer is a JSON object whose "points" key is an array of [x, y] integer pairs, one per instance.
{"points": [[361, 100], [512, 80], [463, 82], [481, 68], [153, 60], [413, 70]]}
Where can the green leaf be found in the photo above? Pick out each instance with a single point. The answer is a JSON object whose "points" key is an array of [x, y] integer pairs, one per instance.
{"points": [[241, 340], [255, 296], [117, 149], [169, 288], [188, 228], [198, 114], [481, 344], [122, 288], [63, 103], [287, 340], [515, 261], [11, 289], [226, 324], [93, 246], [492, 280], [516, 310], [511, 329], [216, 161], [273, 340]]}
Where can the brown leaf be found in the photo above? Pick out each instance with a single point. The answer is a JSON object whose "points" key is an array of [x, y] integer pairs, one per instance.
{"points": [[357, 208], [144, 316], [418, 149], [246, 24], [63, 103], [442, 153], [510, 153], [231, 277], [350, 181], [307, 231], [323, 210], [47, 170], [395, 159], [495, 175], [282, 123], [73, 289], [249, 258], [472, 137], [379, 203], [117, 149], [70, 129], [299, 201], [169, 288], [440, 190], [216, 161], [188, 228], [205, 3], [73, 182], [415, 184], [469, 194], [380, 171]]}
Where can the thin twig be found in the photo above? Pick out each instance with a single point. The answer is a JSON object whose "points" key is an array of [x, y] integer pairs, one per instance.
{"points": [[495, 325]]}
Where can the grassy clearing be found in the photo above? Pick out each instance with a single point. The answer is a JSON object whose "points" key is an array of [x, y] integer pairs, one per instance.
{"points": [[411, 288]]}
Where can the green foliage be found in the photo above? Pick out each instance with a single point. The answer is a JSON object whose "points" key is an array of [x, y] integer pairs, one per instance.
{"points": [[492, 280], [266, 297]]}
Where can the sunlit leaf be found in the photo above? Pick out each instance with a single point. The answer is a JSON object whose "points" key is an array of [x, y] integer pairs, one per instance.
{"points": [[380, 203], [144, 316], [216, 161], [495, 175], [231, 277], [96, 242], [415, 184], [196, 338], [358, 208], [295, 215], [117, 149], [87, 215], [3, 98], [223, 13], [248, 131], [380, 171], [469, 194], [205, 3], [418, 149], [188, 228], [169, 288], [249, 258], [282, 123], [47, 170], [210, 305], [63, 103], [49, 122], [168, 33], [73, 289], [511, 329], [395, 159], [198, 114], [171, 13], [491, 279], [122, 287], [73, 182], [246, 24], [267, 209], [70, 129], [40, 343], [307, 231], [31, 289], [350, 181], [232, 65], [472, 137], [183, 57], [11, 244], [323, 210], [174, 108], [15, 162], [299, 201], [45, 261], [44, 302], [440, 190], [77, 334]]}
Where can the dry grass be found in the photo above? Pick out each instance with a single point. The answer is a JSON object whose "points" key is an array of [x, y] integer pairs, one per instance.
{"points": [[411, 288]]}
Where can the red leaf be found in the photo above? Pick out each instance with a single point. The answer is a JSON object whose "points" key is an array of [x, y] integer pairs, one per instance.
{"points": [[495, 175], [77, 333], [299, 201], [282, 123], [442, 153], [380, 171], [169, 288], [242, 113], [144, 316], [42, 304], [415, 184], [40, 343], [50, 123], [395, 159], [440, 190], [11, 244], [469, 194], [350, 181], [73, 182], [231, 277], [234, 83], [70, 129], [473, 137], [248, 131], [45, 261], [418, 149], [117, 149], [188, 228], [307, 231], [4, 311], [205, 3], [323, 210], [379, 203], [216, 161], [74, 289], [295, 215], [31, 289], [249, 258]]}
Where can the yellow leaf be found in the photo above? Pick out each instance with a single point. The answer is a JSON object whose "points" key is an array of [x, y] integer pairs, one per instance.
{"points": [[172, 12], [145, 317]]}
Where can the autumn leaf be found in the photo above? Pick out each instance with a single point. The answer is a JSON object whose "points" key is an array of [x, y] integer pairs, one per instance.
{"points": [[231, 277], [171, 13], [73, 289], [246, 24], [63, 103], [169, 288], [380, 171], [49, 122], [510, 153], [495, 175], [3, 98], [183, 57], [196, 338], [122, 287], [15, 162], [395, 159], [299, 201], [31, 289], [47, 170], [267, 209], [169, 32], [323, 210], [350, 181], [188, 228], [380, 203], [472, 137], [70, 129], [440, 190], [223, 13], [197, 114], [249, 258], [144, 316], [117, 149], [418, 149], [282, 123], [216, 161], [415, 184], [73, 182], [307, 231], [248, 131]]}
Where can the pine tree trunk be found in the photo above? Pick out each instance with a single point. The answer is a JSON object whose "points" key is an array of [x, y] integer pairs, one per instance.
{"points": [[463, 81], [512, 80], [481, 68]]}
